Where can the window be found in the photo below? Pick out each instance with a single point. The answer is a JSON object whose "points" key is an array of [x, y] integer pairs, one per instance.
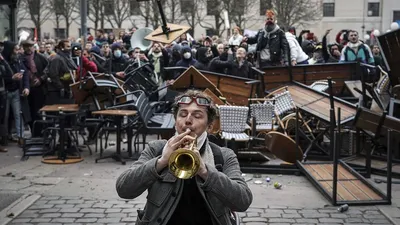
{"points": [[212, 7], [328, 9], [34, 7], [59, 6], [60, 33], [187, 6], [373, 8], [107, 31], [264, 5], [239, 7], [108, 7], [134, 7], [396, 16]]}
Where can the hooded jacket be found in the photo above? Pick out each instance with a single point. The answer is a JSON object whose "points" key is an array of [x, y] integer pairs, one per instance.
{"points": [[16, 66], [186, 62], [296, 52], [202, 59]]}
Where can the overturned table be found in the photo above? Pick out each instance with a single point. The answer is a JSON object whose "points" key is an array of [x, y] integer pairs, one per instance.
{"points": [[118, 115]]}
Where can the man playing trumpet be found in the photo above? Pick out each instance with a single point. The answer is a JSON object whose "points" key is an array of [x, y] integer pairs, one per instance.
{"points": [[214, 190]]}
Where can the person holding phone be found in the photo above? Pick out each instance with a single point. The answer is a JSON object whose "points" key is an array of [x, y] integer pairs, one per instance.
{"points": [[17, 83]]}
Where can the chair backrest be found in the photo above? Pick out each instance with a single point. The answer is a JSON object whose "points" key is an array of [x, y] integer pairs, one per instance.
{"points": [[320, 86], [233, 118], [383, 84], [368, 120], [145, 110], [284, 103], [263, 112]]}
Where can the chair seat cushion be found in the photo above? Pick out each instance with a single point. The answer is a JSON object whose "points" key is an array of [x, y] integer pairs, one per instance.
{"points": [[266, 127], [236, 136]]}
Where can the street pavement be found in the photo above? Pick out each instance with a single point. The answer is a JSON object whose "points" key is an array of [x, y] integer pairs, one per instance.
{"points": [[84, 193]]}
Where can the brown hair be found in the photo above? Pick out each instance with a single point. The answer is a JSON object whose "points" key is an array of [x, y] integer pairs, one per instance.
{"points": [[212, 112]]}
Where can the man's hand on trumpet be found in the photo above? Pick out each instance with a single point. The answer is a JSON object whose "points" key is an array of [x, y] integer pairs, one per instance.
{"points": [[173, 144]]}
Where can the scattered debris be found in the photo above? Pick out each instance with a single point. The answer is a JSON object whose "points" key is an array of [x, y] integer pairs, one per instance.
{"points": [[258, 182], [343, 208], [277, 185], [88, 174]]}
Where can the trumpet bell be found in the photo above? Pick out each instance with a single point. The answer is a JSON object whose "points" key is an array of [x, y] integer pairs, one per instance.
{"points": [[184, 163]]}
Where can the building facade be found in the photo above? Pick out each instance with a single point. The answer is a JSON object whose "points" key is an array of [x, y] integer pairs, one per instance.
{"points": [[361, 15]]}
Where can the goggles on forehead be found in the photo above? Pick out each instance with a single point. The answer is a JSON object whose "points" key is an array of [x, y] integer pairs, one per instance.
{"points": [[200, 101]]}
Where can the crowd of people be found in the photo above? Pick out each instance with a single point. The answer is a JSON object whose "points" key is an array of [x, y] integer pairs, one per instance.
{"points": [[35, 73]]}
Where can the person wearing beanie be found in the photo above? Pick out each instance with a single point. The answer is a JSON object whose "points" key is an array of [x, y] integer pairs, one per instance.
{"points": [[118, 62], [271, 43], [187, 59]]}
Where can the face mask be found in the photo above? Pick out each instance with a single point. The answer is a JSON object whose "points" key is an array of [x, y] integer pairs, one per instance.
{"points": [[187, 55], [117, 53]]}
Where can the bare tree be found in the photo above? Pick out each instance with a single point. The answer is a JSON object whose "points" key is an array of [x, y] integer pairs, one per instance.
{"points": [[6, 12], [296, 12], [117, 11], [212, 8], [173, 14], [96, 13], [38, 11], [54, 7], [190, 13], [238, 11], [150, 13]]}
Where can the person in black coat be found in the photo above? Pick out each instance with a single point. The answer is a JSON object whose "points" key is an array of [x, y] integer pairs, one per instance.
{"points": [[272, 45], [36, 64], [204, 56], [60, 69], [16, 81], [241, 67]]}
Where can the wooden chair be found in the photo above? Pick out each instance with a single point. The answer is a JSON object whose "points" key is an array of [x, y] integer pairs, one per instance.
{"points": [[285, 110], [262, 116]]}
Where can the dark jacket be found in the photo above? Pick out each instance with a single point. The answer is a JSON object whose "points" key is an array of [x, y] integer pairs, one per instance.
{"points": [[165, 190], [186, 62], [278, 45], [220, 64], [16, 66], [202, 60], [41, 63], [244, 71], [59, 65]]}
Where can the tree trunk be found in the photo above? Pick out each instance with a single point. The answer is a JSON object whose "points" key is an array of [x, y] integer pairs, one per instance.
{"points": [[38, 28], [67, 25]]}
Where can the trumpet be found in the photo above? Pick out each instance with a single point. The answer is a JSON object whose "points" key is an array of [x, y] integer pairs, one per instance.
{"points": [[184, 163]]}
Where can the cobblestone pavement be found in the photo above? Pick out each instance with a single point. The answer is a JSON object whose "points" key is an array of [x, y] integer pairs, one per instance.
{"points": [[75, 210]]}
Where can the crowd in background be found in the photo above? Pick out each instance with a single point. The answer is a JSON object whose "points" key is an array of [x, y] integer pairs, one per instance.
{"points": [[35, 73]]}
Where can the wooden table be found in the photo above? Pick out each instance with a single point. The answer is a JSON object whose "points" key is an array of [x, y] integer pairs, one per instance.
{"points": [[60, 107], [319, 104], [118, 114], [63, 111]]}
